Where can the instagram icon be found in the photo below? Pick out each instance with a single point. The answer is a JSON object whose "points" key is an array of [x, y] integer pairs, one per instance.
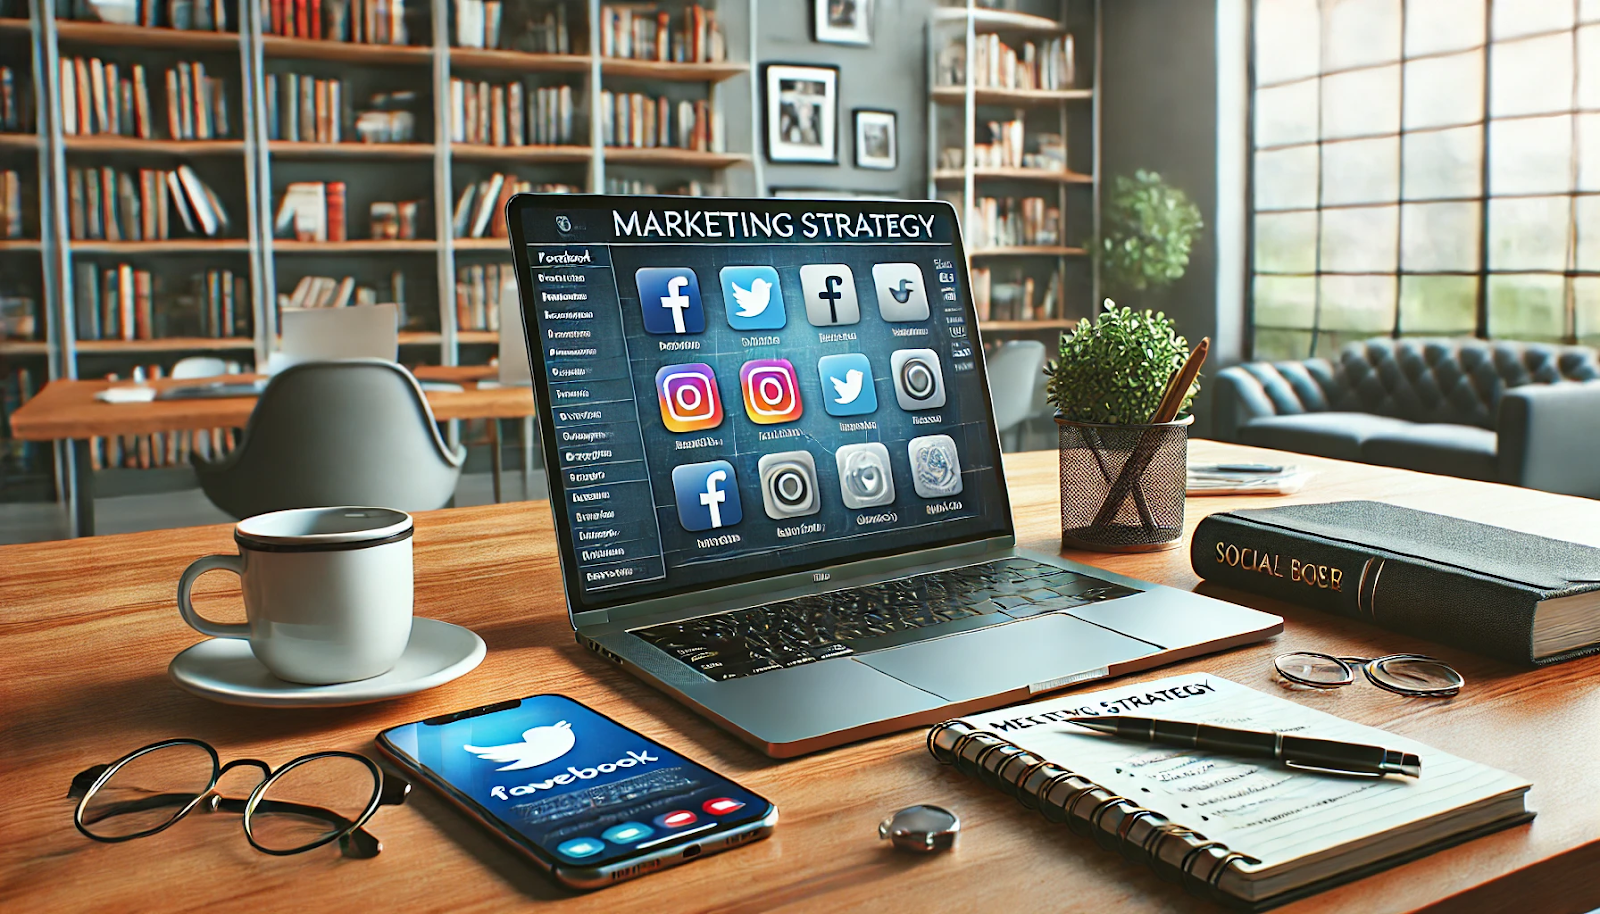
{"points": [[771, 391], [688, 395]]}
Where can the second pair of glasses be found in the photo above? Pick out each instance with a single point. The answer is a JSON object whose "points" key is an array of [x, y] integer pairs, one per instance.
{"points": [[1415, 675]]}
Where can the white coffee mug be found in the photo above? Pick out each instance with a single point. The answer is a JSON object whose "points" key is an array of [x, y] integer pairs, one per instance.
{"points": [[327, 591]]}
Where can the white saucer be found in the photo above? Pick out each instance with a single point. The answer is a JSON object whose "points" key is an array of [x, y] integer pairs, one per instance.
{"points": [[224, 669]]}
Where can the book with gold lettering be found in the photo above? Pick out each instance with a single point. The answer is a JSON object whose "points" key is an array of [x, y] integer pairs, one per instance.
{"points": [[1246, 832], [1504, 594]]}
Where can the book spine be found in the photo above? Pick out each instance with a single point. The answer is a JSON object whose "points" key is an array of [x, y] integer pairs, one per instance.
{"points": [[1449, 605]]}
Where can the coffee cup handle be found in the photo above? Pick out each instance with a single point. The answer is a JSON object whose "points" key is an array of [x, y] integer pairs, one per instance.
{"points": [[233, 563]]}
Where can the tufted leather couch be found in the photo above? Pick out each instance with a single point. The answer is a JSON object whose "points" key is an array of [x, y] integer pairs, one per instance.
{"points": [[1521, 413]]}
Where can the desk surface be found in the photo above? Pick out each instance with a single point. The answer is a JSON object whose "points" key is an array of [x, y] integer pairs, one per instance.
{"points": [[68, 409], [87, 628]]}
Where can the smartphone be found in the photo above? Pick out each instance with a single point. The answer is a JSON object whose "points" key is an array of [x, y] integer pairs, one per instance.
{"points": [[584, 797]]}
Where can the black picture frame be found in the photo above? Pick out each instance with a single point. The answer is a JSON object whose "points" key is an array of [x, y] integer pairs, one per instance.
{"points": [[788, 137], [830, 25], [870, 128]]}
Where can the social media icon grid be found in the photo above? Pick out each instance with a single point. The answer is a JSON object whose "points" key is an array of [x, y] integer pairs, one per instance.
{"points": [[707, 494]]}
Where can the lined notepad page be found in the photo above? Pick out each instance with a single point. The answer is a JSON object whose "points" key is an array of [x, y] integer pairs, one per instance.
{"points": [[1270, 812]]}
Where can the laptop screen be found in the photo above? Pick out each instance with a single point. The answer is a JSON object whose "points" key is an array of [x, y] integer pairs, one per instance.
{"points": [[732, 389]]}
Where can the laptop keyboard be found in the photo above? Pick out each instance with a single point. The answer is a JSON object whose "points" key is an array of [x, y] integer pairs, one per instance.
{"points": [[746, 642]]}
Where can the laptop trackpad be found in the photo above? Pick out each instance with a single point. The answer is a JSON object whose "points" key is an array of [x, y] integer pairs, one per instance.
{"points": [[995, 660]]}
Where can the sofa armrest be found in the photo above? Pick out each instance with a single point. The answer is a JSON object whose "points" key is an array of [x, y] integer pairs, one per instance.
{"points": [[1549, 436], [1256, 390]]}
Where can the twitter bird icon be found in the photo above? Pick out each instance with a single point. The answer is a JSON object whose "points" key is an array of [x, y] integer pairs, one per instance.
{"points": [[752, 298], [539, 745], [847, 384]]}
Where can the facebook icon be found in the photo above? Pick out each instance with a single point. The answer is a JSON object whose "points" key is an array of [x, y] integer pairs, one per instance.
{"points": [[707, 495], [670, 297]]}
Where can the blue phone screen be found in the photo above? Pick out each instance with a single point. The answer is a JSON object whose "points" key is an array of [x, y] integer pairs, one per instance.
{"points": [[580, 787]]}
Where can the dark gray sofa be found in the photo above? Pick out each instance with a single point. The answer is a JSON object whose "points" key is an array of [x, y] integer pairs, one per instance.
{"points": [[1521, 413]]}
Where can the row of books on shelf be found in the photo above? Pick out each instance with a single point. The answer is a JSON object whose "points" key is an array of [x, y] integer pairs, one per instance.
{"points": [[16, 103], [637, 120], [16, 388], [361, 21], [640, 33], [995, 222], [393, 220], [1015, 299], [1049, 65], [313, 211], [10, 204], [104, 204], [186, 15], [479, 291], [98, 97], [483, 24], [694, 188], [162, 449], [338, 292], [480, 210], [510, 114], [306, 109], [1005, 145], [119, 303]]}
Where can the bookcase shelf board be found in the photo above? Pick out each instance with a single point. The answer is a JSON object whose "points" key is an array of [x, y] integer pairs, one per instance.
{"points": [[19, 244], [574, 154], [177, 246], [1028, 251], [131, 145], [277, 46], [477, 337], [987, 20], [684, 158], [24, 347], [420, 338], [956, 175], [19, 141], [356, 246], [503, 245], [167, 344], [955, 95], [1026, 326], [670, 71], [14, 25], [134, 36], [354, 150], [520, 61]]}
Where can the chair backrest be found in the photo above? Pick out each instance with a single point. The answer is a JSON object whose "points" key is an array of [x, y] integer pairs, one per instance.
{"points": [[347, 332], [355, 432], [1016, 370], [199, 366]]}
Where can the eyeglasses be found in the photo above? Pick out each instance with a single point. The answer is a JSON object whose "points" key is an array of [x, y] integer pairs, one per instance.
{"points": [[311, 801], [1414, 675]]}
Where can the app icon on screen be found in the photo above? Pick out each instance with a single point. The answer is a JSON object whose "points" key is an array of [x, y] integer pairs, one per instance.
{"points": [[830, 294], [847, 384], [581, 847], [902, 296], [935, 468], [707, 495], [789, 484], [752, 298], [627, 833], [678, 818], [689, 399], [865, 480], [918, 381], [670, 299], [721, 806], [771, 391]]}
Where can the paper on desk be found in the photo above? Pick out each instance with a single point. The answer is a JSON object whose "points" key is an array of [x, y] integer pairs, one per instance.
{"points": [[139, 394], [1270, 812]]}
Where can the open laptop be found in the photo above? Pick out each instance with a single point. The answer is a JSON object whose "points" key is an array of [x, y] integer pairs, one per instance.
{"points": [[775, 476]]}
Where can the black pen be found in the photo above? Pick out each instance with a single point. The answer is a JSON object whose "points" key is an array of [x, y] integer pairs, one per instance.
{"points": [[1304, 752]]}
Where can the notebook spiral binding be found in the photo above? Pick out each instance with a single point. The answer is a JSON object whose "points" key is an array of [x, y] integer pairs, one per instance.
{"points": [[1063, 796]]}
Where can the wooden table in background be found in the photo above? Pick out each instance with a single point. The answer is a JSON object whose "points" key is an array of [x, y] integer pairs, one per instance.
{"points": [[68, 410], [87, 628]]}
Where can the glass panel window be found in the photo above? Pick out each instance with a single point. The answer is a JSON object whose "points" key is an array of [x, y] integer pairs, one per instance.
{"points": [[1528, 233], [1442, 305], [1528, 17], [1531, 76], [1361, 103], [1287, 37], [1589, 67], [1287, 114], [1587, 210], [1361, 171], [1589, 10], [1433, 26], [1439, 236], [1359, 33], [1589, 152], [1286, 242], [1586, 309], [1281, 345], [1360, 239], [1286, 301], [1527, 306], [1287, 178], [1442, 164], [1531, 155], [1364, 304], [1444, 91]]}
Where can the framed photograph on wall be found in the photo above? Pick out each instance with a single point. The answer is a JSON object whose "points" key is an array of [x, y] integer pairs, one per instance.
{"points": [[877, 143], [843, 21], [802, 113]]}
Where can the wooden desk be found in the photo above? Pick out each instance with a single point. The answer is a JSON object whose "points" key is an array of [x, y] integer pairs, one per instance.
{"points": [[87, 628], [68, 410]]}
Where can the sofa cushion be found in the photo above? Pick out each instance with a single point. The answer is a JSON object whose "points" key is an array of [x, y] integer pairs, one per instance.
{"points": [[1436, 447], [1337, 435]]}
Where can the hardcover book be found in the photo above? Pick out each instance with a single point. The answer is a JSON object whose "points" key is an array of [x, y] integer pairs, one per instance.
{"points": [[1504, 594]]}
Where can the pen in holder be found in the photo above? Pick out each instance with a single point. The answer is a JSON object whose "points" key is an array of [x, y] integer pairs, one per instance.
{"points": [[1122, 486]]}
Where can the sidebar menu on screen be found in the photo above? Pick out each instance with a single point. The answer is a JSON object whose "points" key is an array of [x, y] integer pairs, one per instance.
{"points": [[600, 446]]}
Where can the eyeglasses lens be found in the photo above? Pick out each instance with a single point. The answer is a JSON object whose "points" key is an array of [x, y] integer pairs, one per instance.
{"points": [[1416, 675], [1313, 669], [311, 802], [149, 791]]}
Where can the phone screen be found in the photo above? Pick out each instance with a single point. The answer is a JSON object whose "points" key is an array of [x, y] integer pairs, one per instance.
{"points": [[581, 788]]}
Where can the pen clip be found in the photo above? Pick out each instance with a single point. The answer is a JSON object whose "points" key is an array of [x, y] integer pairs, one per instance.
{"points": [[1345, 772]]}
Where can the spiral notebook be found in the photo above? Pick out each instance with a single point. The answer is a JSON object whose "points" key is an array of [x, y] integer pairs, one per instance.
{"points": [[1248, 833]]}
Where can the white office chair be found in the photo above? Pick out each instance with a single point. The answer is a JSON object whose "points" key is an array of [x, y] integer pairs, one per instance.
{"points": [[1016, 372], [351, 432]]}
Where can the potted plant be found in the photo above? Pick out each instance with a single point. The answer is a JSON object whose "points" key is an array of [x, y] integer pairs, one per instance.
{"points": [[1147, 232], [1121, 385]]}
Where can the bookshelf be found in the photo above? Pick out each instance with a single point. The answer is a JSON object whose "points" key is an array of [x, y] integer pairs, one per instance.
{"points": [[1014, 145]]}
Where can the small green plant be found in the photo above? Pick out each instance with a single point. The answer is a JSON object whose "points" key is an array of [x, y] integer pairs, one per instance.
{"points": [[1113, 370], [1149, 228]]}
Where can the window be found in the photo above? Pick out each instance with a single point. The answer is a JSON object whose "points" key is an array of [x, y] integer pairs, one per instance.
{"points": [[1425, 167]]}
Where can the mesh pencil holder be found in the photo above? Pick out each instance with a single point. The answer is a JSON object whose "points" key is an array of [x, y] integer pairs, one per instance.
{"points": [[1122, 486]]}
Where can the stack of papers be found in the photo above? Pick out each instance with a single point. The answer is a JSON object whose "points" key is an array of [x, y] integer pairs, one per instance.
{"points": [[1245, 479]]}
